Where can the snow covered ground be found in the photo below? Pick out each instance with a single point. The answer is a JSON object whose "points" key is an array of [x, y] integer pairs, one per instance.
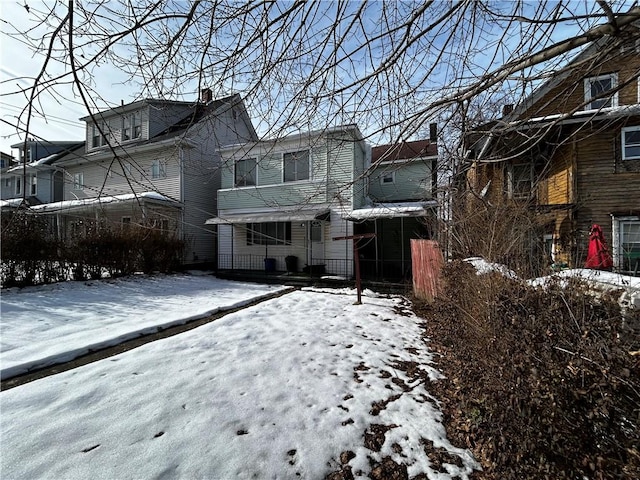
{"points": [[56, 323], [277, 390]]}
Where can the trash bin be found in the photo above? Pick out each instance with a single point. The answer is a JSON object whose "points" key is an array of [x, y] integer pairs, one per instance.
{"points": [[292, 263], [269, 264]]}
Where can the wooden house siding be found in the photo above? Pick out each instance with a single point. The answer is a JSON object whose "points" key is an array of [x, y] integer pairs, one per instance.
{"points": [[568, 94]]}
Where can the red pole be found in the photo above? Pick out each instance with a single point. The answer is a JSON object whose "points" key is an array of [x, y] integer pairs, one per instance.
{"points": [[357, 260]]}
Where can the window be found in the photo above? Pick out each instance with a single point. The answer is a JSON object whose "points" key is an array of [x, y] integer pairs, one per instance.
{"points": [[626, 243], [271, 233], [18, 185], [7, 182], [126, 169], [316, 231], [125, 222], [388, 177], [595, 91], [519, 181], [78, 181], [158, 169], [131, 126], [245, 174], [296, 166], [33, 185], [631, 143], [98, 139]]}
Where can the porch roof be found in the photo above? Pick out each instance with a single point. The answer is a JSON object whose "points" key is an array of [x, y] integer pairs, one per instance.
{"points": [[300, 215], [91, 203], [392, 210]]}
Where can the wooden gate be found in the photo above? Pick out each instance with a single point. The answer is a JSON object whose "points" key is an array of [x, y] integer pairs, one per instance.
{"points": [[426, 263]]}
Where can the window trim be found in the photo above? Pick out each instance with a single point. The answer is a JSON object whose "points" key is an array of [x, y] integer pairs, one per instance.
{"points": [[78, 181], [616, 232], [385, 175], [511, 184], [587, 91], [158, 169], [284, 164], [258, 236], [622, 139], [131, 122], [33, 185], [96, 135], [243, 183], [18, 185]]}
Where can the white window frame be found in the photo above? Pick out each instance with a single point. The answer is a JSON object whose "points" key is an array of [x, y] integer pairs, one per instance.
{"points": [[158, 169], [96, 135], [33, 185], [384, 176], [7, 182], [241, 181], [131, 126], [616, 232], [78, 181], [624, 145], [587, 92], [18, 188], [513, 193], [297, 161]]}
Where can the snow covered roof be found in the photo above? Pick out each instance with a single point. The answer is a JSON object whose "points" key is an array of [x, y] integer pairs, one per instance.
{"points": [[10, 203], [392, 210], [100, 201], [299, 215]]}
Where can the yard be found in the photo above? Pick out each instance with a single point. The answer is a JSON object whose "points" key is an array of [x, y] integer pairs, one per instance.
{"points": [[307, 385]]}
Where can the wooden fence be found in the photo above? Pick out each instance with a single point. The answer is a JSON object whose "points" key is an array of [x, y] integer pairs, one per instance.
{"points": [[427, 262]]}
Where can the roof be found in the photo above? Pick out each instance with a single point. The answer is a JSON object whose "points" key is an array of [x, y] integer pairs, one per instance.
{"points": [[393, 210], [85, 203], [404, 151]]}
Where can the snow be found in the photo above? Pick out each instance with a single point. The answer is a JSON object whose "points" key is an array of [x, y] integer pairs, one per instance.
{"points": [[484, 267], [11, 202], [276, 390], [56, 323], [388, 210], [127, 197]]}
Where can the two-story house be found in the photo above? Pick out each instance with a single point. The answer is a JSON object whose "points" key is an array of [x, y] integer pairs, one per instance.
{"points": [[34, 177], [284, 201], [154, 163], [400, 205], [571, 153]]}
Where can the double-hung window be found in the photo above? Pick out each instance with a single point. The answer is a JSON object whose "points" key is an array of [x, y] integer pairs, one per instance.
{"points": [[626, 243], [131, 126], [631, 143], [98, 138], [18, 185], [596, 90], [520, 181], [296, 166], [270, 233], [158, 169], [78, 181], [33, 185], [245, 172]]}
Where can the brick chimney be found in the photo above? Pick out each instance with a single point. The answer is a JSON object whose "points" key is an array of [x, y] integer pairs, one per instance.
{"points": [[433, 132], [206, 95], [507, 109]]}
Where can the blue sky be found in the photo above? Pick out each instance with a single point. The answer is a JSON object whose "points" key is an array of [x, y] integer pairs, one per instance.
{"points": [[371, 103]]}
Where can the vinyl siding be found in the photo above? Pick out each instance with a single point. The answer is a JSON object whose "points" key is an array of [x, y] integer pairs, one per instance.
{"points": [[412, 181]]}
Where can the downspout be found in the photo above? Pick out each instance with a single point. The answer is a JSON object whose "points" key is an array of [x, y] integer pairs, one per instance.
{"points": [[402, 242], [181, 225], [375, 229]]}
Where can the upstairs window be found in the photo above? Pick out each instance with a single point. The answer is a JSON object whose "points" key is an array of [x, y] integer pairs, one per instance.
{"points": [[520, 181], [158, 169], [131, 126], [631, 143], [388, 178], [296, 166], [595, 92], [98, 139], [270, 233], [78, 181], [245, 172]]}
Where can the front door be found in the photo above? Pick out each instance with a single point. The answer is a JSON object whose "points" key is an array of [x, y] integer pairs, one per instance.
{"points": [[316, 242]]}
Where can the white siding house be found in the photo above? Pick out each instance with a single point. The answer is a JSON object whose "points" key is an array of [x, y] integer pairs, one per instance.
{"points": [[154, 162]]}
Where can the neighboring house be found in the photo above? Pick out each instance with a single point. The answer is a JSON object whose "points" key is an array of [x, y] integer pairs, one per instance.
{"points": [[34, 177], [153, 163], [571, 153], [285, 200], [400, 206]]}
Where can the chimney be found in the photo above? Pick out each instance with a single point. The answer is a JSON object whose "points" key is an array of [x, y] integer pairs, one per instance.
{"points": [[205, 95], [507, 109], [433, 132]]}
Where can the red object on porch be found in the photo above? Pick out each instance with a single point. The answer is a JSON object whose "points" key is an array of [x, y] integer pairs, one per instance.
{"points": [[598, 256]]}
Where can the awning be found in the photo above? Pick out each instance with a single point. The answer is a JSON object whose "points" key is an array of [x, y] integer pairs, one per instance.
{"points": [[274, 216], [92, 203], [392, 210]]}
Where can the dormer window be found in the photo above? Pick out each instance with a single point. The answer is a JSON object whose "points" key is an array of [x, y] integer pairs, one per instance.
{"points": [[98, 139], [131, 126], [595, 91]]}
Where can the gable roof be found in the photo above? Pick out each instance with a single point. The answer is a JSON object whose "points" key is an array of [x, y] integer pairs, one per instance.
{"points": [[404, 151]]}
